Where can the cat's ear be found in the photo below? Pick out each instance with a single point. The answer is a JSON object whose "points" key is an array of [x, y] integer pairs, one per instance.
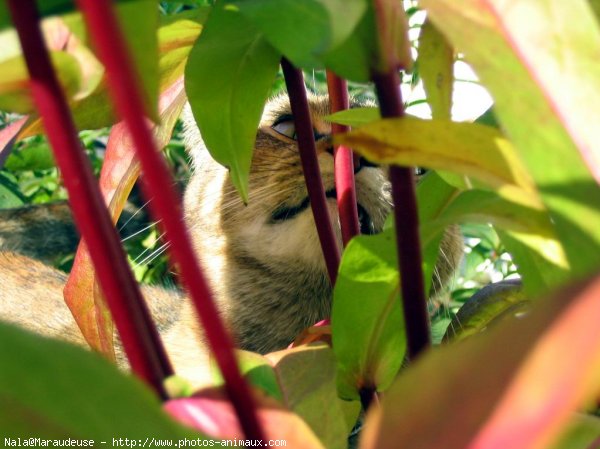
{"points": [[194, 144]]}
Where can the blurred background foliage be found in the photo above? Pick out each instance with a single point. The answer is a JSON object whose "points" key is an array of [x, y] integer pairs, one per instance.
{"points": [[29, 176]]}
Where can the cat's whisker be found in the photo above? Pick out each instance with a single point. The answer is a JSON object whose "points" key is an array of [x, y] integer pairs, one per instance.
{"points": [[134, 214], [138, 232], [155, 254]]}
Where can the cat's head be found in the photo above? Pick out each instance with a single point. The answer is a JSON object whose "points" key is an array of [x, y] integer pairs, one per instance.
{"points": [[276, 227]]}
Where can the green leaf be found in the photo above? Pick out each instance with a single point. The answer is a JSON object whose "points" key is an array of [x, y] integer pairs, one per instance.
{"points": [[34, 155], [306, 376], [10, 194], [582, 432], [482, 206], [367, 321], [228, 78], [303, 380], [256, 368], [466, 148], [354, 58], [52, 389], [91, 106], [545, 50], [302, 31], [139, 21], [436, 68], [355, 117], [46, 8], [517, 384]]}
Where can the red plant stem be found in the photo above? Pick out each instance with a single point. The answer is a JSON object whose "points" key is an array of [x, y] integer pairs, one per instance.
{"points": [[407, 227], [138, 334], [344, 162], [294, 82], [166, 204]]}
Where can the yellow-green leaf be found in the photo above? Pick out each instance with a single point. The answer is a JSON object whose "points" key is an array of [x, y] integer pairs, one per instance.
{"points": [[436, 65], [465, 148]]}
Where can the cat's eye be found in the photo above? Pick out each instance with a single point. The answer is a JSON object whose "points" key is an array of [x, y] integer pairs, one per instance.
{"points": [[286, 128], [420, 171]]}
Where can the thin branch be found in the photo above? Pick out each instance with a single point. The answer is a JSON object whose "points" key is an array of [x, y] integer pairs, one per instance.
{"points": [[166, 203], [138, 334], [344, 162], [294, 82]]}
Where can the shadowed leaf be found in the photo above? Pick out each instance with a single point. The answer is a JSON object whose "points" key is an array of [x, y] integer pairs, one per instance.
{"points": [[74, 394], [525, 379], [304, 30]]}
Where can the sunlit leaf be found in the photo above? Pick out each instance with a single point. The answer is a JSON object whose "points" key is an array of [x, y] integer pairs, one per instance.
{"points": [[465, 148], [55, 390], [138, 19], [482, 206], [545, 50], [541, 261], [14, 81], [176, 37], [436, 66], [304, 30], [228, 78], [525, 379]]}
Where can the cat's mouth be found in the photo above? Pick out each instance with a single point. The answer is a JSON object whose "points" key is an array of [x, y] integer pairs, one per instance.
{"points": [[284, 213]]}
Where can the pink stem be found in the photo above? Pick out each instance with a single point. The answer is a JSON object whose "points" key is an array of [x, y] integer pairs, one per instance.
{"points": [[310, 165], [138, 334], [166, 204], [344, 162]]}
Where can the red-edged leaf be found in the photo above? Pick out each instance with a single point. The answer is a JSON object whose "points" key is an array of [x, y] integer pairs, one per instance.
{"points": [[321, 331], [118, 175], [8, 136], [211, 413], [516, 386]]}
